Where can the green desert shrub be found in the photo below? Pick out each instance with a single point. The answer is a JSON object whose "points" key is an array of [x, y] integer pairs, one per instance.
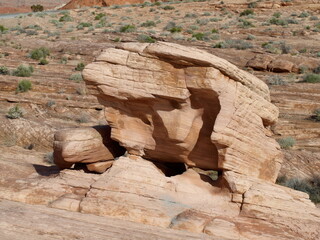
{"points": [[24, 86], [79, 67], [43, 61], [127, 28], [246, 12], [172, 27], [145, 38], [4, 70], [199, 36], [15, 112], [316, 115], [309, 185], [276, 80], [65, 18], [23, 71], [77, 77], [99, 16], [83, 25], [233, 43], [168, 8], [37, 8], [148, 24], [3, 29], [39, 53], [312, 78], [287, 142]]}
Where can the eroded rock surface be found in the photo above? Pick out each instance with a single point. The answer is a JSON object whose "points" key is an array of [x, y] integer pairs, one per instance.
{"points": [[170, 103], [85, 145]]}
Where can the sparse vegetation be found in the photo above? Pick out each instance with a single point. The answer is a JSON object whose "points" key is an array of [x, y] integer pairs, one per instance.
{"points": [[79, 67], [127, 28], [247, 12], [4, 70], [99, 16], [77, 77], [15, 112], [287, 142], [23, 71], [312, 78], [2, 29], [24, 86], [310, 186], [43, 61], [233, 43], [37, 8], [39, 53], [145, 38]]}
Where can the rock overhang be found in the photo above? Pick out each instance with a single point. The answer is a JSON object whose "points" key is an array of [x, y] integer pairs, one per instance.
{"points": [[172, 103]]}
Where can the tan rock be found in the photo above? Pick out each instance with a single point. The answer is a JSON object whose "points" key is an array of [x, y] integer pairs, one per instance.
{"points": [[172, 103], [260, 62], [86, 145], [99, 167], [281, 65]]}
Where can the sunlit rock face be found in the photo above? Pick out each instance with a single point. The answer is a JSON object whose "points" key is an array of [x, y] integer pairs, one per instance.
{"points": [[171, 103]]}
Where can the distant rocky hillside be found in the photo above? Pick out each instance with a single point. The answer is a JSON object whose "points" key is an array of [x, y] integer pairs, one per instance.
{"points": [[101, 3], [15, 6]]}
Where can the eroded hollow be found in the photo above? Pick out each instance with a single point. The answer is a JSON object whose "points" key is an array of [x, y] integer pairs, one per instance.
{"points": [[195, 148]]}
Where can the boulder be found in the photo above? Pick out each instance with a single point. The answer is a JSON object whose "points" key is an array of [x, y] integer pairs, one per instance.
{"points": [[171, 103], [260, 62], [99, 167], [84, 145]]}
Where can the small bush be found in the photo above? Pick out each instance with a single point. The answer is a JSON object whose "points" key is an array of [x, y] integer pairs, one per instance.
{"points": [[39, 53], [37, 8], [278, 21], [277, 14], [276, 80], [246, 12], [127, 28], [43, 61], [48, 158], [198, 36], [82, 25], [99, 16], [286, 143], [3, 29], [312, 78], [79, 67], [145, 38], [15, 112], [23, 71], [24, 86], [316, 115], [310, 186], [168, 8], [4, 70], [245, 23], [65, 18], [77, 77], [148, 24], [172, 27]]}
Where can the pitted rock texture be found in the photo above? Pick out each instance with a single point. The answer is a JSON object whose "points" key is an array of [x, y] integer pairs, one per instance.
{"points": [[92, 146], [173, 103]]}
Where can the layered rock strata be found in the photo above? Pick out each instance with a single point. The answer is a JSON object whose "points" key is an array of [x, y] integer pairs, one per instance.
{"points": [[170, 103]]}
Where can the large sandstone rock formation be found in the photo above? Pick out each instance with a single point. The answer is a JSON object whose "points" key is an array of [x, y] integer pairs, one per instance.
{"points": [[171, 103], [176, 109]]}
